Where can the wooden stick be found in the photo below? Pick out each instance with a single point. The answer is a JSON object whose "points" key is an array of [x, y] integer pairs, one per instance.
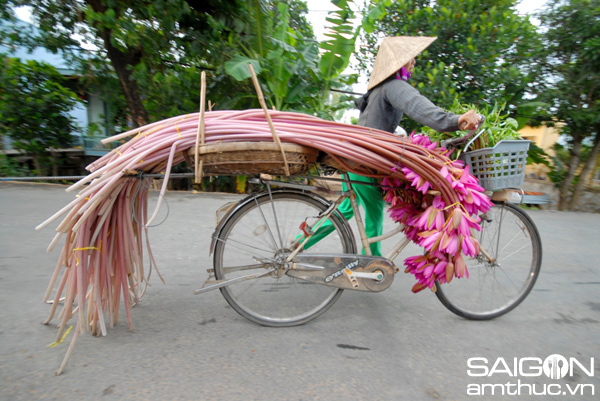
{"points": [[261, 100], [200, 133], [69, 351], [55, 274]]}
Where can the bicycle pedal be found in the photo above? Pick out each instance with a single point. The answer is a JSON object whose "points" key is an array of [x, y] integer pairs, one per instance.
{"points": [[351, 277], [306, 229]]}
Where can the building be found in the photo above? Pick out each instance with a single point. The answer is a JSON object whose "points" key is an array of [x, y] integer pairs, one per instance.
{"points": [[545, 137], [87, 147]]}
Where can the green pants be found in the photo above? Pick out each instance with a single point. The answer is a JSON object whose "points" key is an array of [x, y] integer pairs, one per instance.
{"points": [[367, 196]]}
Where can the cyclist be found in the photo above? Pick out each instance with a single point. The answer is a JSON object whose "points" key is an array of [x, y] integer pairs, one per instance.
{"points": [[389, 97]]}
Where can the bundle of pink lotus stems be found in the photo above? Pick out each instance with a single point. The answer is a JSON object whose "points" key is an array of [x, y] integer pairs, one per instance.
{"points": [[105, 228]]}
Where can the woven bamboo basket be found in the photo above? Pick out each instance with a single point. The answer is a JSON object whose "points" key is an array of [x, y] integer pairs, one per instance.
{"points": [[331, 162], [344, 165], [237, 158]]}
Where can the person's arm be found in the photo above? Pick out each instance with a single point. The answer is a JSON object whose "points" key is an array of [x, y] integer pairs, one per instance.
{"points": [[404, 97]]}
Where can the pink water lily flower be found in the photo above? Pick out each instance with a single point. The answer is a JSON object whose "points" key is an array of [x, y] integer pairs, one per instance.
{"points": [[428, 270], [460, 268], [389, 186], [462, 223], [461, 181], [476, 201], [431, 218], [402, 211], [438, 202], [457, 164], [470, 246], [391, 183], [450, 243], [430, 239], [423, 140], [416, 180], [446, 174], [445, 231], [414, 263], [391, 198], [484, 202], [440, 268], [412, 233]]}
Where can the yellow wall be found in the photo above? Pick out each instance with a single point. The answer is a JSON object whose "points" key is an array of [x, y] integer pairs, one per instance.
{"points": [[544, 137]]}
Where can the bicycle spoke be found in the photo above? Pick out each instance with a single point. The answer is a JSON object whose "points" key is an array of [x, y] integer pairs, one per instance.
{"points": [[275, 216], [509, 278], [514, 252], [497, 286], [235, 244], [268, 227], [508, 244], [276, 299]]}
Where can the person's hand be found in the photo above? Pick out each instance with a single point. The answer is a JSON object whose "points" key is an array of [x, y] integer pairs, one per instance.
{"points": [[469, 120]]}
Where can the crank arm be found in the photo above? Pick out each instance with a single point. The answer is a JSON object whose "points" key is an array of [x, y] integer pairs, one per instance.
{"points": [[373, 276], [223, 283], [352, 276]]}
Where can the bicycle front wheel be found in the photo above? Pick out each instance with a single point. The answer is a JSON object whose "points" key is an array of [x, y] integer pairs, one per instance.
{"points": [[496, 287], [259, 236]]}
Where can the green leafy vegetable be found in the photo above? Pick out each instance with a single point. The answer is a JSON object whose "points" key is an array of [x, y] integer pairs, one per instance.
{"points": [[498, 126]]}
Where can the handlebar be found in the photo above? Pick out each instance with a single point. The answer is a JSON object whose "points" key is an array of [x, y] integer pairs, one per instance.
{"points": [[452, 143]]}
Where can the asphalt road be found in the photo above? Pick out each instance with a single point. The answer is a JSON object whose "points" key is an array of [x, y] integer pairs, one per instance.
{"points": [[393, 345]]}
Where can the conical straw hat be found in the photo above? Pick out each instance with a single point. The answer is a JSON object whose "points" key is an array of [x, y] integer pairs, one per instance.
{"points": [[394, 52]]}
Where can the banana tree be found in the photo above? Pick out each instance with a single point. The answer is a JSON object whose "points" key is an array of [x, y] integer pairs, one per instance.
{"points": [[287, 59], [339, 46]]}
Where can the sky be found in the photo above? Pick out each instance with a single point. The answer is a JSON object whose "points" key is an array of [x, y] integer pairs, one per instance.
{"points": [[24, 13]]}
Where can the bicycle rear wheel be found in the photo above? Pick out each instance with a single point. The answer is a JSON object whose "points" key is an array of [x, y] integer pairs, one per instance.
{"points": [[494, 288], [259, 236]]}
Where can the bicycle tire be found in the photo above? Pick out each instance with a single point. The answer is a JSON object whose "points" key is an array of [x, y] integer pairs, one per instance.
{"points": [[258, 233], [494, 289]]}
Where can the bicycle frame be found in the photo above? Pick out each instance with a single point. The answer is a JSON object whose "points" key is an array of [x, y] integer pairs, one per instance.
{"points": [[504, 279], [349, 193], [365, 241]]}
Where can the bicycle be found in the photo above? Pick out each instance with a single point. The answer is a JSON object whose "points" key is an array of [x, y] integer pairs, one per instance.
{"points": [[263, 235]]}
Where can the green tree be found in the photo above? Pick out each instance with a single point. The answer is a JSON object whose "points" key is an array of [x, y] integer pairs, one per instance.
{"points": [[143, 40], [570, 85], [172, 81], [34, 109], [286, 57], [158, 48], [482, 55]]}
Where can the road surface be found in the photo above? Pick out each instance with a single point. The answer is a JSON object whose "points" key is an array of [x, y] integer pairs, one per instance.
{"points": [[393, 345]]}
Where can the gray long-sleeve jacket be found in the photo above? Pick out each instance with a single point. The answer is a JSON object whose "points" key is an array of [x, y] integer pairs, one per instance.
{"points": [[384, 106]]}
